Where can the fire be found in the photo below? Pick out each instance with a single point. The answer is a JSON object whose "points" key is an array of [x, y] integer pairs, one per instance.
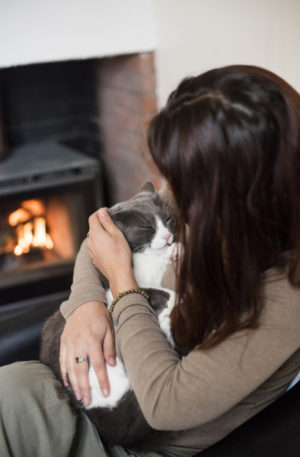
{"points": [[36, 207], [18, 216], [31, 229], [41, 238]]}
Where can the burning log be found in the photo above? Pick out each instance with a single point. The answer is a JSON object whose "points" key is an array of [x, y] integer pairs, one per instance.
{"points": [[27, 229]]}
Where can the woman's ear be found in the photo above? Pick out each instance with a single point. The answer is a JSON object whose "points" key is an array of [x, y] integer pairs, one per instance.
{"points": [[148, 187], [165, 190]]}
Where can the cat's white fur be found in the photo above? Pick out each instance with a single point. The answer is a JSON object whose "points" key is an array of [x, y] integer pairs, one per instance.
{"points": [[149, 267]]}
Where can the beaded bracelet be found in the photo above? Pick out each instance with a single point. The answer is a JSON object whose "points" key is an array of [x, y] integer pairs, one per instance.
{"points": [[127, 292]]}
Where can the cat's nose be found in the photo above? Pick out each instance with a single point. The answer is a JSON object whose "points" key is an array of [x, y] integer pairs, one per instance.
{"points": [[166, 237]]}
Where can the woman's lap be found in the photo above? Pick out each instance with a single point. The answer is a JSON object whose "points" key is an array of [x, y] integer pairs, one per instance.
{"points": [[36, 418]]}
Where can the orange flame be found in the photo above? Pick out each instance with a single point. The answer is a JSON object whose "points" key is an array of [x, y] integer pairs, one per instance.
{"points": [[41, 238], [18, 216], [35, 207], [30, 227]]}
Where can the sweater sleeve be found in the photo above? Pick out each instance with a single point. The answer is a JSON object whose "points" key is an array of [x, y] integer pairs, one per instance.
{"points": [[86, 284], [181, 394]]}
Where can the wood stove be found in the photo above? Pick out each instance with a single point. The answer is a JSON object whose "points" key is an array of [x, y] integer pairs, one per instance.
{"points": [[47, 192]]}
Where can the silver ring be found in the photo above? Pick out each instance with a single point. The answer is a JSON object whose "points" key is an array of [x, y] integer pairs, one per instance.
{"points": [[80, 359]]}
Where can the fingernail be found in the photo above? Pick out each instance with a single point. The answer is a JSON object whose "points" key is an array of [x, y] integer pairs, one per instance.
{"points": [[102, 212], [85, 401], [66, 384], [105, 392], [77, 395], [112, 360]]}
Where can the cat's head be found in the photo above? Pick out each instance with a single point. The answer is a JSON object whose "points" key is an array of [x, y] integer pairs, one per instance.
{"points": [[145, 219]]}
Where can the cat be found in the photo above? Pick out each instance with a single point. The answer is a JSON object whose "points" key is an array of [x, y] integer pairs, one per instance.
{"points": [[149, 226]]}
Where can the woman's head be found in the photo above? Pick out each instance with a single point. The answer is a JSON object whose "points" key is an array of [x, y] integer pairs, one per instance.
{"points": [[228, 142]]}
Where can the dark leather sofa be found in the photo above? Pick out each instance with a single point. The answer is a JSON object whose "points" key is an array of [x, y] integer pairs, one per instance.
{"points": [[274, 432], [21, 325]]}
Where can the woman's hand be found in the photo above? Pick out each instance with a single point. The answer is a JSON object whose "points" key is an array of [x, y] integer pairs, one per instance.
{"points": [[110, 252], [88, 333]]}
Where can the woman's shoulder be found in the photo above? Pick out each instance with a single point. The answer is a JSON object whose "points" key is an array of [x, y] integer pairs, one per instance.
{"points": [[277, 288], [279, 324], [281, 303]]}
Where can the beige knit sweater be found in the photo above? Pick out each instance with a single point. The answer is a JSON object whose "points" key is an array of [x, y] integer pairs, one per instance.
{"points": [[206, 394]]}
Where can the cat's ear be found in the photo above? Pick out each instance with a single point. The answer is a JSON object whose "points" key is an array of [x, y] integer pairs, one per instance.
{"points": [[148, 187]]}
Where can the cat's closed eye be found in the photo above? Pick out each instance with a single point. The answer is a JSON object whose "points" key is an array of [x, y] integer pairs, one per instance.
{"points": [[145, 227], [170, 221]]}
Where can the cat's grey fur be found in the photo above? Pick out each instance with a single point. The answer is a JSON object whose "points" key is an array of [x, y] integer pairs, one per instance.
{"points": [[124, 424]]}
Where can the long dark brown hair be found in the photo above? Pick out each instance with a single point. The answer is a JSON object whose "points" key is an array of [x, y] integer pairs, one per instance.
{"points": [[228, 143]]}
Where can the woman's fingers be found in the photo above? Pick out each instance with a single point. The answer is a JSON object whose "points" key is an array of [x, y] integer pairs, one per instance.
{"points": [[78, 374], [79, 378], [98, 363], [63, 364], [95, 226], [108, 247], [73, 380], [106, 221], [109, 348], [101, 220], [94, 223], [81, 371]]}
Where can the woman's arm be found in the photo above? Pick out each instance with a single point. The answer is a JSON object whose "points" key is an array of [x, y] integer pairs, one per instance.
{"points": [[86, 286], [179, 394]]}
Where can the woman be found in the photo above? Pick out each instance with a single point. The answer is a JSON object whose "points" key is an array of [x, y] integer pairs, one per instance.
{"points": [[228, 143]]}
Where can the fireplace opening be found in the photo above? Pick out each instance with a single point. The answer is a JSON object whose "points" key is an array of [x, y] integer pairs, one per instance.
{"points": [[47, 192], [39, 238], [25, 231], [36, 233]]}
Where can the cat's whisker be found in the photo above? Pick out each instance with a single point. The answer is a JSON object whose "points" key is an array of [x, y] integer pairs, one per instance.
{"points": [[142, 249]]}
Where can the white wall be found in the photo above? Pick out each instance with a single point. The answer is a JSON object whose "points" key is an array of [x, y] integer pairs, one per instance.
{"points": [[190, 36], [34, 31], [198, 35]]}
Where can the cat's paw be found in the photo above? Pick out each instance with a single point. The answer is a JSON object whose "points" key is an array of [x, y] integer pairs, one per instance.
{"points": [[165, 325], [174, 252], [164, 317]]}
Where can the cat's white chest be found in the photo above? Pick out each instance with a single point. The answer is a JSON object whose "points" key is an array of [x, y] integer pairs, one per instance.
{"points": [[149, 266]]}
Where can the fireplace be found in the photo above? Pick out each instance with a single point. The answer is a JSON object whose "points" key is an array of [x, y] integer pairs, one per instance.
{"points": [[47, 192], [72, 142]]}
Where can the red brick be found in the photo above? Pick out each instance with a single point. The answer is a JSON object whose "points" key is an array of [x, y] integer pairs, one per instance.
{"points": [[137, 63], [124, 139], [123, 121], [123, 175], [111, 98], [127, 101], [127, 80], [149, 104], [142, 63], [129, 73]]}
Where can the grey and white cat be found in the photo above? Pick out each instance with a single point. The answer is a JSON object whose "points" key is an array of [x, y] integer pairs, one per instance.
{"points": [[149, 226]]}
